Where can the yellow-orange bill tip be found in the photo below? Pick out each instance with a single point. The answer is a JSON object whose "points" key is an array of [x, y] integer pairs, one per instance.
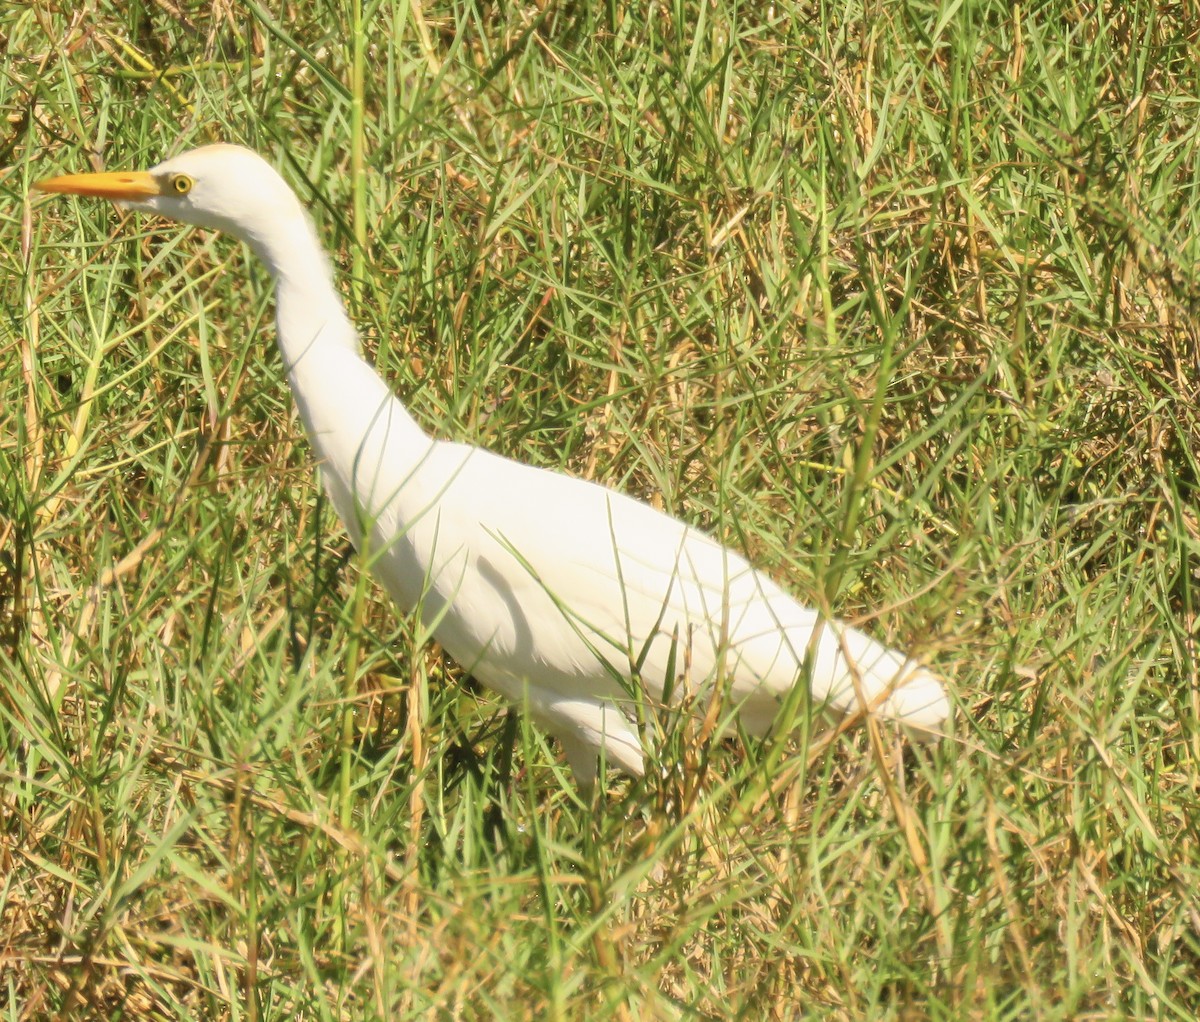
{"points": [[129, 185]]}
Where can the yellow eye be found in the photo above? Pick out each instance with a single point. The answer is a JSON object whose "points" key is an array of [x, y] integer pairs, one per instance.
{"points": [[181, 184]]}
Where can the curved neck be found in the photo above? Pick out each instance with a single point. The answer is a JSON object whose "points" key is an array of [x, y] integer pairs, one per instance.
{"points": [[309, 312], [365, 440]]}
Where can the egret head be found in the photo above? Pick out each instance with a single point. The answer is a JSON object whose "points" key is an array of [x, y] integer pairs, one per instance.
{"points": [[222, 187]]}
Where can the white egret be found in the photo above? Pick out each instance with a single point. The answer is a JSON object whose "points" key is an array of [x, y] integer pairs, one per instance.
{"points": [[569, 598]]}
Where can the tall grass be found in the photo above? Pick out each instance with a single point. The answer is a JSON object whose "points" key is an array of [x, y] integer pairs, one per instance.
{"points": [[898, 298]]}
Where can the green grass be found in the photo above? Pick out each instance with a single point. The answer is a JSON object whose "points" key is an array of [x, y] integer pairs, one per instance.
{"points": [[900, 298]]}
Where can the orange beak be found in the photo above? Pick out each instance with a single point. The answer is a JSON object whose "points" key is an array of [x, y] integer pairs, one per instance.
{"points": [[122, 185]]}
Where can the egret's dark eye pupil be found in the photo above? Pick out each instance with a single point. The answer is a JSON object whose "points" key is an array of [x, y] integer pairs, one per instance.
{"points": [[182, 184]]}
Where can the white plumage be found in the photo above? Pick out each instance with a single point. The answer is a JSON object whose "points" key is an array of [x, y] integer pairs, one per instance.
{"points": [[568, 598]]}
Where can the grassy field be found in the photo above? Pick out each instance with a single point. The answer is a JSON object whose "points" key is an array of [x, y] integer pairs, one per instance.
{"points": [[899, 297]]}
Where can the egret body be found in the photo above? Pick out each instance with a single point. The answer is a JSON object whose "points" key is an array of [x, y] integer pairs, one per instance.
{"points": [[569, 598]]}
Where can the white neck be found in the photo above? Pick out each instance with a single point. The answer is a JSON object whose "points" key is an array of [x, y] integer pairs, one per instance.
{"points": [[366, 442], [308, 310]]}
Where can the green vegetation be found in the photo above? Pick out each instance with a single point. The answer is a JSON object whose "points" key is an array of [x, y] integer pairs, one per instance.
{"points": [[898, 297]]}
